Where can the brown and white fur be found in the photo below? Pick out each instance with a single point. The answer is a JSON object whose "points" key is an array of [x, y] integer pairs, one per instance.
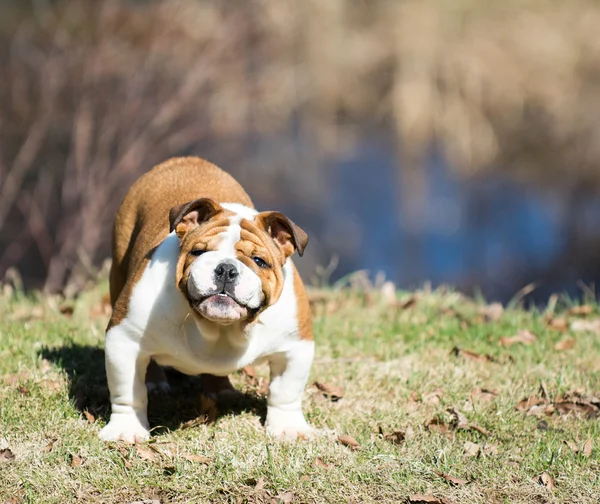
{"points": [[204, 283]]}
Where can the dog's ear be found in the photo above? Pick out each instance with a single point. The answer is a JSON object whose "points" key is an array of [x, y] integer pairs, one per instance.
{"points": [[184, 218], [290, 236]]}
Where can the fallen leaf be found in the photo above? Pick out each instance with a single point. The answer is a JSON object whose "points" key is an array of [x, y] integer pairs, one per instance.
{"points": [[347, 440], [483, 395], [66, 310], [285, 498], [468, 354], [49, 446], [479, 429], [527, 403], [89, 416], [586, 326], [574, 448], [524, 337], [197, 458], [492, 312], [437, 425], [471, 449], [319, 463], [427, 499], [546, 480], [544, 391], [397, 437], [587, 448], [490, 449], [433, 397], [451, 479], [6, 456], [145, 453], [260, 484], [580, 409], [332, 392], [407, 303], [103, 308], [580, 310], [565, 344], [558, 323], [459, 420], [76, 461]]}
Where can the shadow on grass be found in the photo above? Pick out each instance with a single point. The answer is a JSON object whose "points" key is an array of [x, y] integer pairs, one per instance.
{"points": [[88, 390]]}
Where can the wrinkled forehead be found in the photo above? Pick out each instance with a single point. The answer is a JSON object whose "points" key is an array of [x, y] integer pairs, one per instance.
{"points": [[224, 231]]}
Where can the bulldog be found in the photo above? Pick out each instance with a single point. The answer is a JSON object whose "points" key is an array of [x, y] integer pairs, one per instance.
{"points": [[204, 283]]}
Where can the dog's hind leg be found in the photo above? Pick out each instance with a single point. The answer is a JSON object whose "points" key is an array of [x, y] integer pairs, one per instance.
{"points": [[156, 379]]}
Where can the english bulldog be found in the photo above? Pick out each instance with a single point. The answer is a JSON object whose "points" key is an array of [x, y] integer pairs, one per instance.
{"points": [[204, 283]]}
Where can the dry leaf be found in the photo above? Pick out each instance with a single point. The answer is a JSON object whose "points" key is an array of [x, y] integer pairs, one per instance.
{"points": [[76, 461], [285, 498], [397, 437], [574, 448], [468, 354], [49, 446], [347, 440], [471, 449], [319, 463], [451, 479], [145, 453], [332, 392], [586, 326], [6, 455], [558, 323], [89, 416], [580, 409], [565, 344], [459, 420], [580, 310], [436, 425], [260, 484], [587, 448], [479, 429], [546, 480], [492, 312], [529, 402], [483, 395], [197, 458], [525, 337], [66, 310], [427, 499]]}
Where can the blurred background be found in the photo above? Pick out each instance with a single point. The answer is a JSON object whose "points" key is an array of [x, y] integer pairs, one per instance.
{"points": [[451, 141]]}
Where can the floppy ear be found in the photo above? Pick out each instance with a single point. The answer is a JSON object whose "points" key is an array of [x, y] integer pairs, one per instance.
{"points": [[290, 236], [184, 218]]}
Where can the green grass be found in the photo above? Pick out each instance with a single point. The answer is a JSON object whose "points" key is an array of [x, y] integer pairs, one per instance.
{"points": [[397, 370]]}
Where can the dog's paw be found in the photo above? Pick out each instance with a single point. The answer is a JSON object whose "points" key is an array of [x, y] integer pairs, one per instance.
{"points": [[124, 427], [287, 425]]}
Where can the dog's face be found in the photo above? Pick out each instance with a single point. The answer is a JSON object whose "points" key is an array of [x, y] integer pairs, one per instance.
{"points": [[231, 258]]}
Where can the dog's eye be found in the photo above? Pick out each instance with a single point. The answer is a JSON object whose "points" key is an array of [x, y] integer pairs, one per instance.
{"points": [[197, 252], [261, 263]]}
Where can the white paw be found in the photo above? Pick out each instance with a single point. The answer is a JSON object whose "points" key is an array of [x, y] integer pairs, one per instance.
{"points": [[287, 424], [124, 427]]}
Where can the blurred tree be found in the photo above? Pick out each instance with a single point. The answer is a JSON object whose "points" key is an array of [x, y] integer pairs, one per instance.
{"points": [[93, 93]]}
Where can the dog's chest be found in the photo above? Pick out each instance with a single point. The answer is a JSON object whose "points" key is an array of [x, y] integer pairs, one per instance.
{"points": [[174, 338]]}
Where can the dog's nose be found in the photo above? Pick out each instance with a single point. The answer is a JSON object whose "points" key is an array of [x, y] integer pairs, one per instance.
{"points": [[226, 272]]}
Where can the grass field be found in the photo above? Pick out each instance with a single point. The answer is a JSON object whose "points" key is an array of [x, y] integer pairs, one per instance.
{"points": [[431, 403]]}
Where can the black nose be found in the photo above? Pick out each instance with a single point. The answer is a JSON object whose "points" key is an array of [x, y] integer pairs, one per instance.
{"points": [[225, 272]]}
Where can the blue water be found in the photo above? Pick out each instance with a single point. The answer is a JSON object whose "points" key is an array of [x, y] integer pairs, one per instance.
{"points": [[488, 235]]}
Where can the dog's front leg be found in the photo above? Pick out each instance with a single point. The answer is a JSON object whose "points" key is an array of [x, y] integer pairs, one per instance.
{"points": [[126, 366], [289, 374]]}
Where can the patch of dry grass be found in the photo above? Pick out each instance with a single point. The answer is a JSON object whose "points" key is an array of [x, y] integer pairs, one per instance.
{"points": [[427, 394]]}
